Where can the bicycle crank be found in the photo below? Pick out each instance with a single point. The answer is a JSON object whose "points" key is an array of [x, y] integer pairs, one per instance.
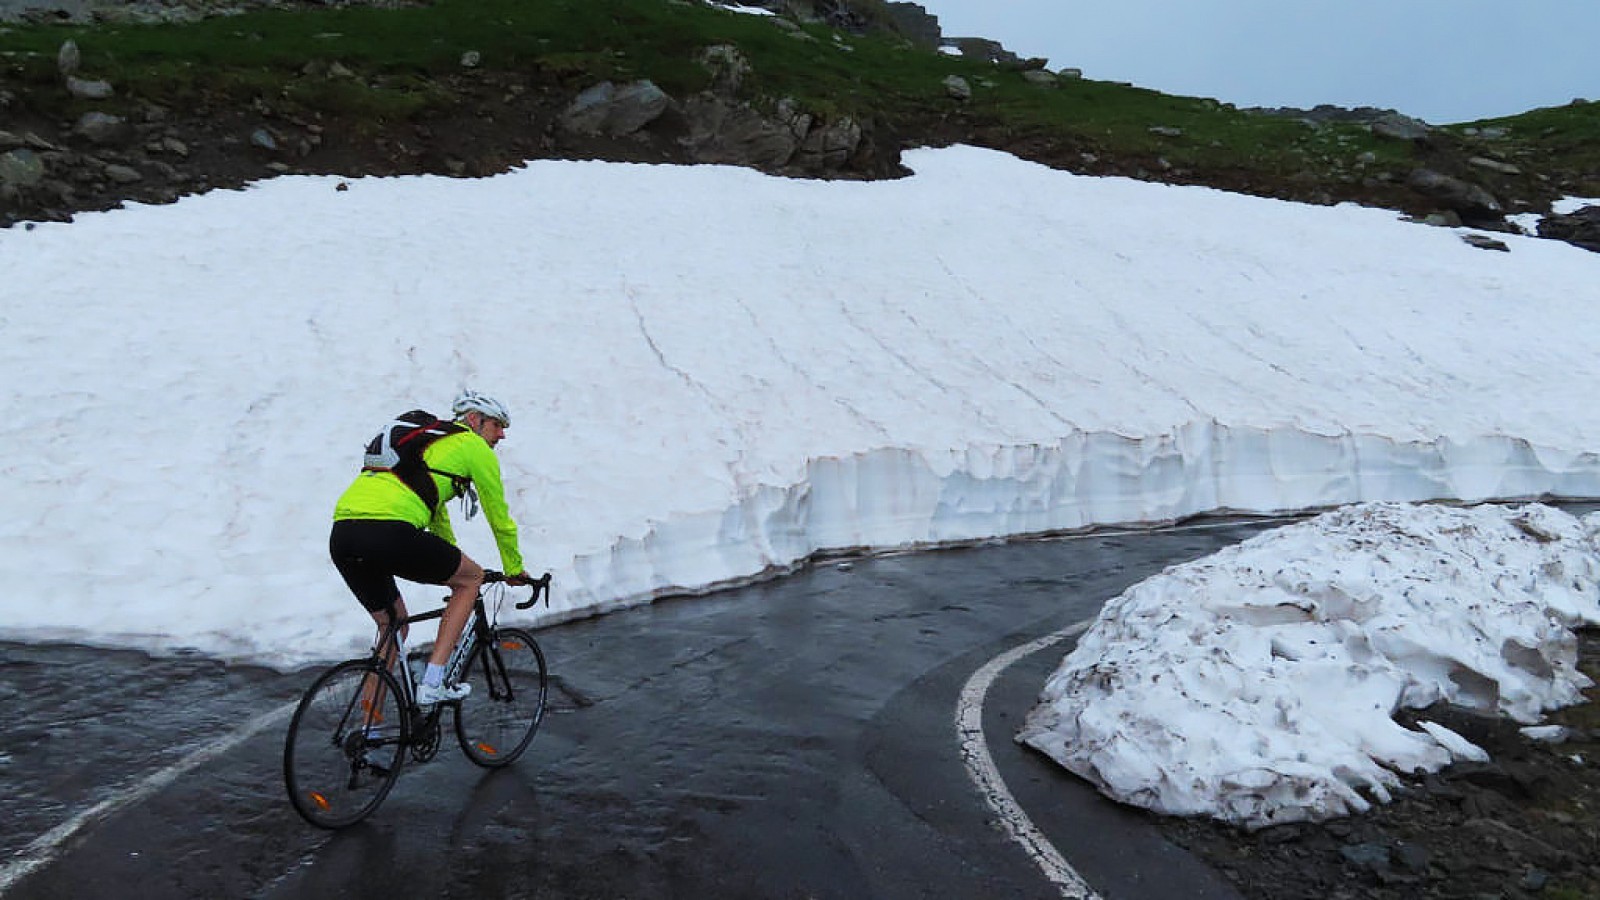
{"points": [[425, 743]]}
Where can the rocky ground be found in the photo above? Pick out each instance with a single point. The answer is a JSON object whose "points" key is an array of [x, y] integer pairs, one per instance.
{"points": [[101, 148], [1524, 825]]}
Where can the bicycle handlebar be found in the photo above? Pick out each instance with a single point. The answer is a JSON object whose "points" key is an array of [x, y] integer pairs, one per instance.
{"points": [[539, 585]]}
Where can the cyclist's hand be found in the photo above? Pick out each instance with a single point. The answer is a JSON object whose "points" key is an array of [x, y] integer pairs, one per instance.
{"points": [[520, 579]]}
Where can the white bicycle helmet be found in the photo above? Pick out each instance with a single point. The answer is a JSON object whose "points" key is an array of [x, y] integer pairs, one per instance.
{"points": [[472, 401]]}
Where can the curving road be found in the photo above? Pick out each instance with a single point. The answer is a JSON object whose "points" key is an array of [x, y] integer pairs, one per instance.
{"points": [[797, 738]]}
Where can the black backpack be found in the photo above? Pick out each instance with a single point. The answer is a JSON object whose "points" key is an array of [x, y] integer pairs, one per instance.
{"points": [[398, 449]]}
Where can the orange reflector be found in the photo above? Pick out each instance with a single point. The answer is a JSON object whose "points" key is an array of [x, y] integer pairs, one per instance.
{"points": [[487, 749], [321, 801], [510, 645]]}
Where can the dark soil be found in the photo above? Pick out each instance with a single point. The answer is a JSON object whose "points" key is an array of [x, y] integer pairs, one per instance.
{"points": [[1524, 825]]}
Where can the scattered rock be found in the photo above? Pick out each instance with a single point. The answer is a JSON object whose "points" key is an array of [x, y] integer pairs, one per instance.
{"points": [[123, 174], [1494, 165], [68, 58], [103, 128], [1366, 856], [263, 139], [89, 90], [957, 88], [1484, 242]]}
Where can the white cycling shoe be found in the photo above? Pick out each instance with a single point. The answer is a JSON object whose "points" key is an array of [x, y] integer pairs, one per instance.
{"points": [[429, 695]]}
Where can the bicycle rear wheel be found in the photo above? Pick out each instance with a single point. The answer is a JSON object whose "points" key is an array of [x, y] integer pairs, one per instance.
{"points": [[507, 673], [345, 745]]}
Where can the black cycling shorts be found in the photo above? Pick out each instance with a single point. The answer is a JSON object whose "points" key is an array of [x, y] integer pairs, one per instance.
{"points": [[370, 553]]}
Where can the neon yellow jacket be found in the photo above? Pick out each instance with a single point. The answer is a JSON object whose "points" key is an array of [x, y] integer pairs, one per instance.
{"points": [[383, 496]]}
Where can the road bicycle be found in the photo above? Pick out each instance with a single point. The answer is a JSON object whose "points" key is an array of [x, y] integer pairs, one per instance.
{"points": [[359, 721]]}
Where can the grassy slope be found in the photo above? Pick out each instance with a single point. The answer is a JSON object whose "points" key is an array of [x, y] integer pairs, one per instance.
{"points": [[402, 55]]}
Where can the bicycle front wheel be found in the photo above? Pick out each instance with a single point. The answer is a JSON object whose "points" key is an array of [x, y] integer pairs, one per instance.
{"points": [[497, 720], [345, 745]]}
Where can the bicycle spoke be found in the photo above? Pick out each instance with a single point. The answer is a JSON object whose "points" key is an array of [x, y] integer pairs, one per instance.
{"points": [[342, 753], [497, 721]]}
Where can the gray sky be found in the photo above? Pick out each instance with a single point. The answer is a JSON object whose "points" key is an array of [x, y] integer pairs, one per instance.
{"points": [[1440, 60]]}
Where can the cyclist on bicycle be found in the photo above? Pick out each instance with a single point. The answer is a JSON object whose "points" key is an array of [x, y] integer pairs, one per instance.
{"points": [[382, 529]]}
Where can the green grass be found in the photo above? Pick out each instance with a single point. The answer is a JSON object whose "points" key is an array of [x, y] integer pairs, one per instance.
{"points": [[401, 54]]}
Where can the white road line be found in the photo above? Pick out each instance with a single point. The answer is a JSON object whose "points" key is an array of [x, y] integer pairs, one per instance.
{"points": [[981, 768], [45, 847], [969, 724]]}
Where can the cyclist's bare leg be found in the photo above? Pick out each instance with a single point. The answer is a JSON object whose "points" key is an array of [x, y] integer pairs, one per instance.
{"points": [[382, 618], [463, 586], [372, 693]]}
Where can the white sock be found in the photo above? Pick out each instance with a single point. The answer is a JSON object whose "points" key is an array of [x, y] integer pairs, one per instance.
{"points": [[434, 676]]}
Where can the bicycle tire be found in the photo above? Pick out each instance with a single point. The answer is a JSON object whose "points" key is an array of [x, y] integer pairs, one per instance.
{"points": [[342, 753], [495, 724]]}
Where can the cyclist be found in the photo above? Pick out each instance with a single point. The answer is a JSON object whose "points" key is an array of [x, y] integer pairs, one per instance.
{"points": [[382, 529]]}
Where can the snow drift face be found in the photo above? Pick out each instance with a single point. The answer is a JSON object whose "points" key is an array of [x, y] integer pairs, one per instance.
{"points": [[716, 373], [1258, 685]]}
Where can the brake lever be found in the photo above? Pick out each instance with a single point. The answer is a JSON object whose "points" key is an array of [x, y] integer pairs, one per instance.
{"points": [[539, 585]]}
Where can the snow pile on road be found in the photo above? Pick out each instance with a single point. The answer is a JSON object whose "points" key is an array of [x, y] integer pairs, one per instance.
{"points": [[1258, 685]]}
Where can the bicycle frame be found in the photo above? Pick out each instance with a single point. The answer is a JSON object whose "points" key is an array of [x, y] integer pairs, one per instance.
{"points": [[348, 739], [479, 627]]}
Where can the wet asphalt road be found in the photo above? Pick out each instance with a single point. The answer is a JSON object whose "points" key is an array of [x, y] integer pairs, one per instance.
{"points": [[792, 739]]}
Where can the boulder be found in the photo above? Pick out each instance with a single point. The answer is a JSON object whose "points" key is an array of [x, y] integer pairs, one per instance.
{"points": [[1581, 228], [828, 148], [1464, 197], [21, 168], [612, 111], [915, 24], [722, 131], [728, 66], [957, 88], [1401, 128]]}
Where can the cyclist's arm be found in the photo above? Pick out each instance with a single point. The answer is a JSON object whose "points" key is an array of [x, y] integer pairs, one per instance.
{"points": [[492, 495], [469, 455]]}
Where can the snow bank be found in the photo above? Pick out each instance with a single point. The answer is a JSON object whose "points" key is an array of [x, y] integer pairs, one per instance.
{"points": [[713, 373], [1258, 685]]}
